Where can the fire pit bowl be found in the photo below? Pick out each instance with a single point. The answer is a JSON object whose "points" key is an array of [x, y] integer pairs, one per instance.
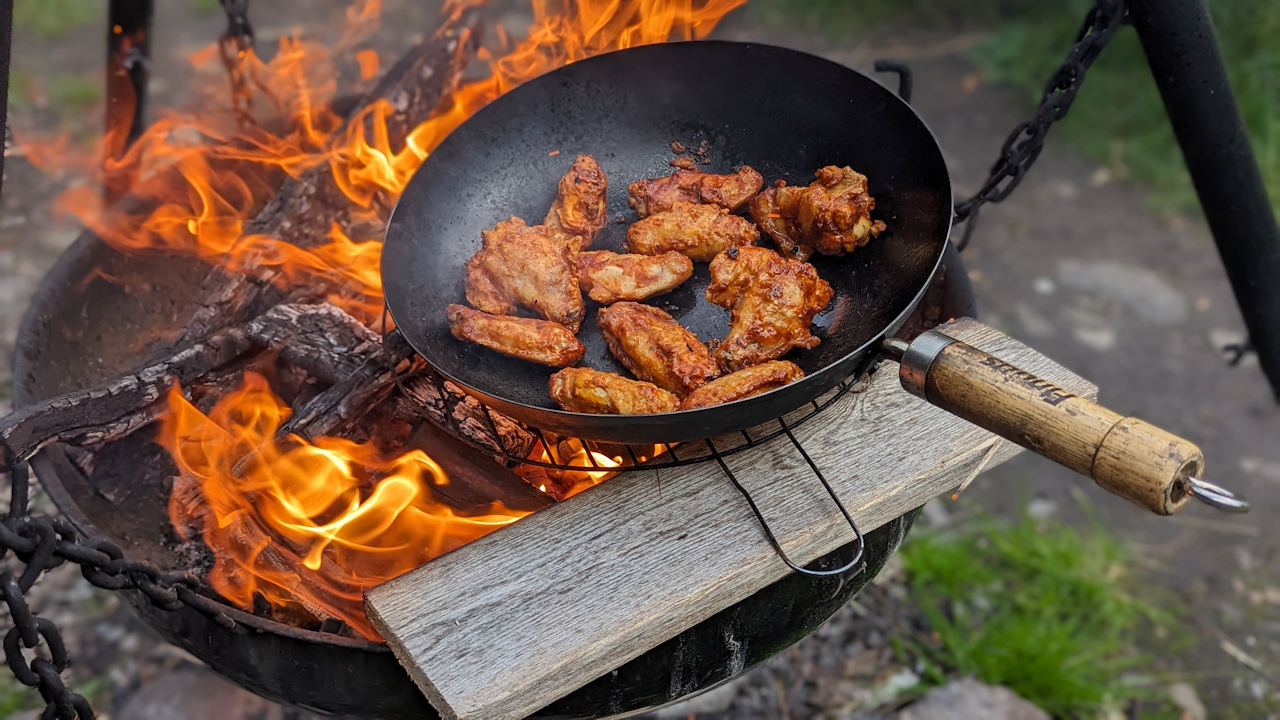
{"points": [[98, 313]]}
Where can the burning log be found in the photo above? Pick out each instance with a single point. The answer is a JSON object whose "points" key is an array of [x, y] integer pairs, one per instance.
{"points": [[321, 339], [305, 208]]}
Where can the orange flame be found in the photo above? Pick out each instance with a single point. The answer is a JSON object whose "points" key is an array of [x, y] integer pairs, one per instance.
{"points": [[306, 524], [310, 525]]}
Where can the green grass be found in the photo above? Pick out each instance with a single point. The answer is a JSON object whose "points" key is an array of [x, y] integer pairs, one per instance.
{"points": [[49, 19], [205, 8], [16, 697], [1045, 611], [1118, 119]]}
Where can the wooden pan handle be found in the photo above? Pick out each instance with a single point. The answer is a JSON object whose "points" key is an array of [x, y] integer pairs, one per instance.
{"points": [[1130, 457]]}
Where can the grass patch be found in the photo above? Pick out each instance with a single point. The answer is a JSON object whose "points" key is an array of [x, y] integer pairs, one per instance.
{"points": [[49, 19], [205, 8], [1045, 611]]}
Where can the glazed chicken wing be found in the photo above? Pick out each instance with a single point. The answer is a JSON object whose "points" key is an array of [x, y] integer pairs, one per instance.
{"points": [[699, 231], [743, 383], [538, 341], [526, 267], [579, 207], [832, 215], [609, 277], [591, 391], [654, 347], [773, 300], [688, 184]]}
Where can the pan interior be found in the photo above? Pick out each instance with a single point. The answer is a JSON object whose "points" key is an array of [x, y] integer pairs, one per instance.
{"points": [[783, 112]]}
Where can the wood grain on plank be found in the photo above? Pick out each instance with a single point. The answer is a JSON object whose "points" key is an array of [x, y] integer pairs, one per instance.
{"points": [[511, 622]]}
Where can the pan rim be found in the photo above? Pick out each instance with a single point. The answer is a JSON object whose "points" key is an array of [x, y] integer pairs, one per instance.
{"points": [[825, 372]]}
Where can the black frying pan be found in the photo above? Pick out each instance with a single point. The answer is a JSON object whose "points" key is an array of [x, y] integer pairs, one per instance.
{"points": [[783, 112]]}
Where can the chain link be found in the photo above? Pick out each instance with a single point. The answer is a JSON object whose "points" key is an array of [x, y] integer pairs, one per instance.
{"points": [[1024, 144], [234, 47]]}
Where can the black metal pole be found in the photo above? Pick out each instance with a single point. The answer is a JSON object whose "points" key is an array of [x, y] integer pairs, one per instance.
{"points": [[6, 43], [128, 52], [1177, 37]]}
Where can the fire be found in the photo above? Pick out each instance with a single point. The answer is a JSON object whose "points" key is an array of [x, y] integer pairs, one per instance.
{"points": [[309, 525]]}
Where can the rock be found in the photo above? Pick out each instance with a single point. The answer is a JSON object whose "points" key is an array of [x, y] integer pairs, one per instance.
{"points": [[967, 698], [195, 694], [1148, 295], [1188, 701]]}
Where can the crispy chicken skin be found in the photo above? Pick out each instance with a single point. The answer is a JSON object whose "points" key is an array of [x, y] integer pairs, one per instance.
{"points": [[743, 383], [526, 267], [688, 184], [832, 215], [699, 231], [591, 391], [579, 207], [539, 341], [654, 347], [773, 300], [609, 277]]}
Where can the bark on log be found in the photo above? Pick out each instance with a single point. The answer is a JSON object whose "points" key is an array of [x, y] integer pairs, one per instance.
{"points": [[321, 339], [99, 408], [305, 208]]}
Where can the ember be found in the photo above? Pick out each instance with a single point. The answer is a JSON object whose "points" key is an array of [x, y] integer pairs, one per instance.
{"points": [[310, 524]]}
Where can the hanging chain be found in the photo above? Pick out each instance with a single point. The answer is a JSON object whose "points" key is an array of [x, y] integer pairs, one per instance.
{"points": [[1024, 144], [42, 543], [234, 47]]}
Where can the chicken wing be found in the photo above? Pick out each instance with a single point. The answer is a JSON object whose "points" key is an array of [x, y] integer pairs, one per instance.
{"points": [[832, 215], [579, 207], [773, 300], [609, 277], [699, 231], [538, 341], [654, 347], [591, 391], [743, 383], [526, 267], [688, 184]]}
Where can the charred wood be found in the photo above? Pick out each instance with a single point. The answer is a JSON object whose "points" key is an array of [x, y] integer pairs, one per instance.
{"points": [[305, 208]]}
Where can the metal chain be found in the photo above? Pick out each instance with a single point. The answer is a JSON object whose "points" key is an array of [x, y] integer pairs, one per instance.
{"points": [[42, 543], [234, 46], [1024, 144]]}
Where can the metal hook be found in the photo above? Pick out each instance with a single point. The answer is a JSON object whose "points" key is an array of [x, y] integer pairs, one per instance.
{"points": [[1216, 496], [764, 524]]}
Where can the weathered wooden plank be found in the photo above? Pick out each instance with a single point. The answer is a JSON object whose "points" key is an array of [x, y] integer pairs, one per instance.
{"points": [[505, 625]]}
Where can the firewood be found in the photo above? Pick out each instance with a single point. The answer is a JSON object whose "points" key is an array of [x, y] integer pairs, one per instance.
{"points": [[305, 208], [107, 409], [322, 339]]}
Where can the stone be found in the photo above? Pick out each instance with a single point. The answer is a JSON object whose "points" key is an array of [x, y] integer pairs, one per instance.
{"points": [[967, 698], [1188, 701], [196, 694], [1140, 290]]}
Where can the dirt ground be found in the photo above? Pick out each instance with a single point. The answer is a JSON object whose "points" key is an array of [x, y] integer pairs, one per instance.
{"points": [[1074, 264]]}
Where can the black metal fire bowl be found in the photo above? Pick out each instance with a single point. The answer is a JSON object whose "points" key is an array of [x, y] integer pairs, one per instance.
{"points": [[99, 313]]}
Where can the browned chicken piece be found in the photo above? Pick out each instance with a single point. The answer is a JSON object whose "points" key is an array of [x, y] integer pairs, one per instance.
{"points": [[773, 300], [609, 277], [699, 231], [526, 267], [579, 207], [539, 341], [832, 215], [688, 184], [654, 347], [591, 391], [744, 383]]}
